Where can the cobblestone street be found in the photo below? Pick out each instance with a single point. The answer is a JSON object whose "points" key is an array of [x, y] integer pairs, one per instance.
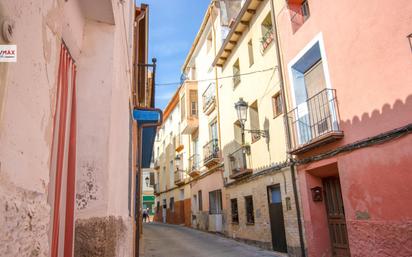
{"points": [[163, 240]]}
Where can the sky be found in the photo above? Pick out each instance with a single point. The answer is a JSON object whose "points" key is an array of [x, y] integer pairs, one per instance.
{"points": [[173, 25]]}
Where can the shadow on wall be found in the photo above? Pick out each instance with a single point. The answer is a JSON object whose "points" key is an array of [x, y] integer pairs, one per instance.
{"points": [[388, 118]]}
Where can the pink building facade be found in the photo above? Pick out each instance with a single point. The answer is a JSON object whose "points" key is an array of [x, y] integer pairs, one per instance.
{"points": [[349, 93]]}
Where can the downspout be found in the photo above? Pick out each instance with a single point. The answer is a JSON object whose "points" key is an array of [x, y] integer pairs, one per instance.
{"points": [[285, 121]]}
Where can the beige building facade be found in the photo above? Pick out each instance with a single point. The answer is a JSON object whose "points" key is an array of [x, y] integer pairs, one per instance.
{"points": [[259, 187], [171, 162]]}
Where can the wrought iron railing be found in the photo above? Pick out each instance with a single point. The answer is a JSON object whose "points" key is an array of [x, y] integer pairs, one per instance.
{"points": [[179, 176], [194, 162], [314, 118], [211, 150], [238, 160], [209, 96]]}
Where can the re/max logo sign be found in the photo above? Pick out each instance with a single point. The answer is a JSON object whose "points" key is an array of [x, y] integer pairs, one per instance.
{"points": [[8, 53]]}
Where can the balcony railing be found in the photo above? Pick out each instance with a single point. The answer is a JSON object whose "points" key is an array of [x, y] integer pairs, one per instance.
{"points": [[211, 153], [209, 98], [267, 39], [238, 162], [156, 189], [315, 121], [194, 165], [179, 177]]}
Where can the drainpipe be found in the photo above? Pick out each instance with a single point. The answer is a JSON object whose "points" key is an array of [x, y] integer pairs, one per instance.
{"points": [[285, 120]]}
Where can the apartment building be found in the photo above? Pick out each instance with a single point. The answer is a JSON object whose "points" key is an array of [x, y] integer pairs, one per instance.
{"points": [[171, 151], [349, 116], [66, 126], [260, 189]]}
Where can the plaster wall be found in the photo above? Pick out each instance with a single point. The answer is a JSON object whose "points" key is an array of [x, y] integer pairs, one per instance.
{"points": [[261, 87], [372, 85]]}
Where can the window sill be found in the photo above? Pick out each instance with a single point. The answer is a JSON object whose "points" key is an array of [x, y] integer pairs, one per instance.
{"points": [[235, 223], [250, 224]]}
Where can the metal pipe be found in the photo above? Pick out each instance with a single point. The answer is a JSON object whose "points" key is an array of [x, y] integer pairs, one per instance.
{"points": [[285, 120]]}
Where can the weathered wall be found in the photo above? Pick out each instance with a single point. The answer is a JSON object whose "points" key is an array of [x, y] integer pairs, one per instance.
{"points": [[27, 99]]}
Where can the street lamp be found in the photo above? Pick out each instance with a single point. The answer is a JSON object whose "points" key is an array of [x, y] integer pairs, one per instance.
{"points": [[241, 110], [147, 180]]}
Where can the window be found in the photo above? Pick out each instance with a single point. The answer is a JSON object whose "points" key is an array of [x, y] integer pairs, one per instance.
{"points": [[277, 105], [157, 207], [299, 13], [182, 194], [254, 121], [209, 42], [182, 107], [237, 132], [200, 200], [235, 214], [193, 102], [250, 217], [172, 204], [152, 178], [250, 51], [215, 202], [267, 35], [236, 73], [195, 207], [171, 174], [213, 130]]}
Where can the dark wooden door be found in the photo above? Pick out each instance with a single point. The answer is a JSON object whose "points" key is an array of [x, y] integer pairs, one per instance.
{"points": [[277, 223], [336, 217]]}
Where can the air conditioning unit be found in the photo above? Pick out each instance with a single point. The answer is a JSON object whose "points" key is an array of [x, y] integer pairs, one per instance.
{"points": [[215, 222]]}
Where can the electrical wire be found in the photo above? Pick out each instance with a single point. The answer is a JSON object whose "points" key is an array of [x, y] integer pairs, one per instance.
{"points": [[213, 79]]}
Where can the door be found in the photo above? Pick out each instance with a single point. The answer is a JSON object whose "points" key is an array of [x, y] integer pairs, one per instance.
{"points": [[318, 100], [336, 217], [277, 224], [164, 211]]}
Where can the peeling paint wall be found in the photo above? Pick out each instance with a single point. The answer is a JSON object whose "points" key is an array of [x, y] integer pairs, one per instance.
{"points": [[102, 53]]}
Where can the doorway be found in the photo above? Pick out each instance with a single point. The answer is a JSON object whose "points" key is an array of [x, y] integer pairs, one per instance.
{"points": [[164, 205], [336, 217], [277, 224]]}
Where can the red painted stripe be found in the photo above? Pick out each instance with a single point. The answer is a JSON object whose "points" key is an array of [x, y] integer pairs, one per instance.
{"points": [[60, 153], [71, 174]]}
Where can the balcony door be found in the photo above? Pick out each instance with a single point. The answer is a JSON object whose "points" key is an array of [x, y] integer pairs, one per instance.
{"points": [[318, 104]]}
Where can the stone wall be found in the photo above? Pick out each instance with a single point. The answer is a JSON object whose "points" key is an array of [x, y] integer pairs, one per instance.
{"points": [[259, 233], [102, 237], [24, 221]]}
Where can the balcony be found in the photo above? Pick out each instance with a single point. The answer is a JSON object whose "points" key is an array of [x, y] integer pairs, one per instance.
{"points": [[209, 99], [299, 13], [180, 177], [194, 166], [188, 107], [156, 189], [314, 122], [238, 163], [178, 143], [267, 39], [211, 153]]}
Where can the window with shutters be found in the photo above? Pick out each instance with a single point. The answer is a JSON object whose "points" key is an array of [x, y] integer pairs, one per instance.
{"points": [[254, 121], [277, 105]]}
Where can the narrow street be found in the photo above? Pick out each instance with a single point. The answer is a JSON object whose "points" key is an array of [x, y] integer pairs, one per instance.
{"points": [[164, 240]]}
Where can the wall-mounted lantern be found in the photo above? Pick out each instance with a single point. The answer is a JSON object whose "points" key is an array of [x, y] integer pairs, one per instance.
{"points": [[147, 180], [316, 194], [410, 40]]}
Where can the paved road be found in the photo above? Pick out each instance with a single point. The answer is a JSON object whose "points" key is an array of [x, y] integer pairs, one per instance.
{"points": [[163, 240]]}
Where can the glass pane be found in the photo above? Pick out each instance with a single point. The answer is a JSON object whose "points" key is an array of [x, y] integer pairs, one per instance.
{"points": [[276, 196]]}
